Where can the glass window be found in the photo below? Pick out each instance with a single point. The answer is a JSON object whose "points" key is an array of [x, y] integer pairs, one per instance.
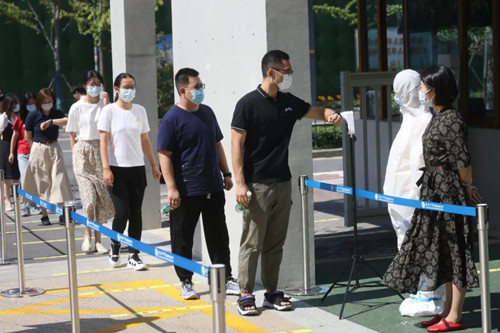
{"points": [[480, 59]]}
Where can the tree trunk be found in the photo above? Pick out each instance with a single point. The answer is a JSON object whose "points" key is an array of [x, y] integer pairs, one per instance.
{"points": [[57, 59]]}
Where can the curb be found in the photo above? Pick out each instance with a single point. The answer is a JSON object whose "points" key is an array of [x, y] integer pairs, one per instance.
{"points": [[327, 153]]}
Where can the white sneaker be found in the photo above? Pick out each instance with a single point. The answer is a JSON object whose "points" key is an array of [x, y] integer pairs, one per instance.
{"points": [[86, 245], [135, 263], [100, 248], [187, 291], [232, 287]]}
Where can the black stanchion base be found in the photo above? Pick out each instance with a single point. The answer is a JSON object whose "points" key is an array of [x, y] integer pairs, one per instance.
{"points": [[355, 284], [15, 292]]}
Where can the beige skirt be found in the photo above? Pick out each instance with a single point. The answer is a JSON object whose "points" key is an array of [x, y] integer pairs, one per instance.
{"points": [[46, 175], [87, 167]]}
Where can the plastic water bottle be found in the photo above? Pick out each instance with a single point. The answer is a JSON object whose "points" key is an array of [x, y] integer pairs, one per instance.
{"points": [[166, 209], [239, 208]]}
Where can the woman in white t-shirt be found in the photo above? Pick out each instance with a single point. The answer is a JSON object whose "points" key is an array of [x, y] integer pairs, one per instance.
{"points": [[87, 165], [124, 137]]}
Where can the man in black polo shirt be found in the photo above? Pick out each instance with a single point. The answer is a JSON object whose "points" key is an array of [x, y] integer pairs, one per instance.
{"points": [[262, 125]]}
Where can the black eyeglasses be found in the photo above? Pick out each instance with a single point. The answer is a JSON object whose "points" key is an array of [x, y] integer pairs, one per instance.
{"points": [[198, 87], [282, 71]]}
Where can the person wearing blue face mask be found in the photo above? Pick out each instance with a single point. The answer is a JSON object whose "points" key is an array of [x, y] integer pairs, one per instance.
{"points": [[87, 164], [196, 173], [124, 140]]}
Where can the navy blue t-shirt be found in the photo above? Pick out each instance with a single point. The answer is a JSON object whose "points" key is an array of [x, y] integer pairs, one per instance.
{"points": [[192, 138], [35, 118]]}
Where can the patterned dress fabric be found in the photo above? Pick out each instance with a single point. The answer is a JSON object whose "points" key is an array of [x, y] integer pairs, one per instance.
{"points": [[87, 167], [438, 245]]}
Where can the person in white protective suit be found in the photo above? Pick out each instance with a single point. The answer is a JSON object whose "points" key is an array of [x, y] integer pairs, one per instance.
{"points": [[402, 174]]}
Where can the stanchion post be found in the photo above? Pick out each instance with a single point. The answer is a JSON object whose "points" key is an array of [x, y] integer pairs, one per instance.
{"points": [[2, 217], [19, 239], [217, 280], [73, 283], [18, 292], [307, 289], [482, 228]]}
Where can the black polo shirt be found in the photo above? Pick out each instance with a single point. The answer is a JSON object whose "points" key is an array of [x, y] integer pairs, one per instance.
{"points": [[35, 118], [268, 124]]}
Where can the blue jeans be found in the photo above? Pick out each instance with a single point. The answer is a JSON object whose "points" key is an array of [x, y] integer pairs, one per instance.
{"points": [[22, 161]]}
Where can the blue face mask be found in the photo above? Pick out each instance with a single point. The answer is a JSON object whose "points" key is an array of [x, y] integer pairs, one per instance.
{"points": [[423, 101], [127, 95], [31, 107], [398, 100], [198, 96]]}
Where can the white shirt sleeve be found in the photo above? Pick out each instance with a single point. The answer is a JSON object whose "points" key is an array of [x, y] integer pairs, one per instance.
{"points": [[3, 122], [104, 123], [72, 125], [145, 123]]}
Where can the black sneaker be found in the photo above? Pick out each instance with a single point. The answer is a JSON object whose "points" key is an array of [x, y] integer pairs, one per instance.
{"points": [[114, 254], [45, 220], [62, 221]]}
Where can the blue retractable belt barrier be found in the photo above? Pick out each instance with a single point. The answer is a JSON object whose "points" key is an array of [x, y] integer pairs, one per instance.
{"points": [[130, 242], [455, 209]]}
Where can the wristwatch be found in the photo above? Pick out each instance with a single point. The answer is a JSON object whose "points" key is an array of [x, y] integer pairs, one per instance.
{"points": [[227, 174]]}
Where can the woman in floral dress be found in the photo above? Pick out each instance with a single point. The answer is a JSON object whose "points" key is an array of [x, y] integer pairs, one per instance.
{"points": [[438, 245]]}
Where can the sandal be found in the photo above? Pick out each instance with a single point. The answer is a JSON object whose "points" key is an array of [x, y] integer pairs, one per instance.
{"points": [[275, 300], [246, 305]]}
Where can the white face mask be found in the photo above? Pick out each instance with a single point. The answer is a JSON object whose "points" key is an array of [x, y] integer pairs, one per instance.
{"points": [[127, 95], [94, 91], [47, 106], [287, 81]]}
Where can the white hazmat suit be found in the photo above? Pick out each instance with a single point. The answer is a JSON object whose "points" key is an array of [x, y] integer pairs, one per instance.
{"points": [[406, 155], [401, 176]]}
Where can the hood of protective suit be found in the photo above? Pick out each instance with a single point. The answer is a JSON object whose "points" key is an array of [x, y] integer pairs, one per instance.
{"points": [[406, 85]]}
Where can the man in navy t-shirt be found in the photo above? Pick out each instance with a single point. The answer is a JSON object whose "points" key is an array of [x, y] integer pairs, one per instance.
{"points": [[193, 162]]}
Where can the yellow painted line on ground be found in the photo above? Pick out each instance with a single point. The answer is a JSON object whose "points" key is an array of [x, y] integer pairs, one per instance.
{"points": [[493, 270], [45, 229], [47, 241], [327, 220], [108, 269], [232, 321]]}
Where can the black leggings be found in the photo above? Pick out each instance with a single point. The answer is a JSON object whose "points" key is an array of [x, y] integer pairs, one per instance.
{"points": [[127, 194]]}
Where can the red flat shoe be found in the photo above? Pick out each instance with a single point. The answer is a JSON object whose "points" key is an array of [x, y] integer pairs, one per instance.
{"points": [[445, 326], [434, 320]]}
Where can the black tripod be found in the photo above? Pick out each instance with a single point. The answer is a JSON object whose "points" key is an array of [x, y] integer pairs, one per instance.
{"points": [[356, 258]]}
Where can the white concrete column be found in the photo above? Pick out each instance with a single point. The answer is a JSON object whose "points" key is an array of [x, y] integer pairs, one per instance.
{"points": [[133, 51], [225, 41]]}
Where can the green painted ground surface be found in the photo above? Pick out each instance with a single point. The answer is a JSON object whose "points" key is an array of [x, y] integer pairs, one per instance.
{"points": [[376, 307]]}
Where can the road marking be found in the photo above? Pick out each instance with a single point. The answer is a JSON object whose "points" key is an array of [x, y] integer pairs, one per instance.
{"points": [[110, 269], [44, 229], [232, 321], [54, 241], [46, 308], [327, 220]]}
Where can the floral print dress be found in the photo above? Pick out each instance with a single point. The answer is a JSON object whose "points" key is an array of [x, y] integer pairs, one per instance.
{"points": [[438, 245]]}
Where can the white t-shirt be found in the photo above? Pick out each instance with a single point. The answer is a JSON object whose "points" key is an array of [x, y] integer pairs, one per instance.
{"points": [[125, 128], [83, 118]]}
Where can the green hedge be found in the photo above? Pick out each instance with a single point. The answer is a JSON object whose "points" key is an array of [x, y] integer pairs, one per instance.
{"points": [[326, 136]]}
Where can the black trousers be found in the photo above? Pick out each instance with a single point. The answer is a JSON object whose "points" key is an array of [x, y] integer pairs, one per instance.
{"points": [[183, 221], [127, 194]]}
